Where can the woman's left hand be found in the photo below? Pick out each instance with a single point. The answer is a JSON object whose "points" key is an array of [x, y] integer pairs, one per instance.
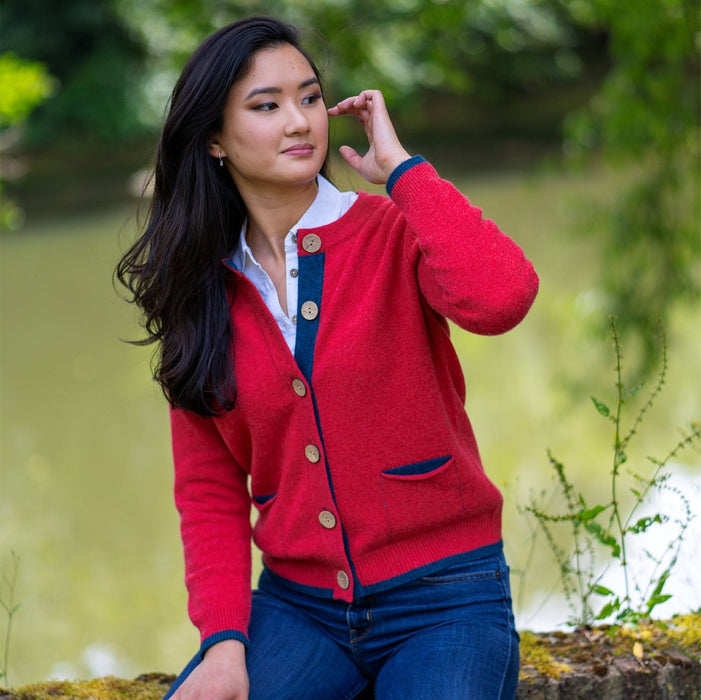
{"points": [[385, 152]]}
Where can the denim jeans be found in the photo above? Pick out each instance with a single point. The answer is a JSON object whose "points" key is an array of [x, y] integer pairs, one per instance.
{"points": [[447, 635]]}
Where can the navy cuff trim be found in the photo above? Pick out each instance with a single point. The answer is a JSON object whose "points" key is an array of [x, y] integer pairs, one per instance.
{"points": [[400, 170]]}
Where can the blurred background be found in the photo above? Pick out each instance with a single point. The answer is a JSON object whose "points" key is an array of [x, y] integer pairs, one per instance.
{"points": [[573, 123]]}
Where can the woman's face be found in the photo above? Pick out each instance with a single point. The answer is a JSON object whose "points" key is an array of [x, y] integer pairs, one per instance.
{"points": [[275, 129]]}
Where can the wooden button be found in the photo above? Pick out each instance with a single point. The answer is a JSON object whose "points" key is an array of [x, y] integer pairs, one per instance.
{"points": [[310, 310], [343, 580], [311, 452], [311, 243], [327, 519], [298, 386]]}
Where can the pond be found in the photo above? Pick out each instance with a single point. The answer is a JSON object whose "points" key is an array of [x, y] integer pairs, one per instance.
{"points": [[85, 481]]}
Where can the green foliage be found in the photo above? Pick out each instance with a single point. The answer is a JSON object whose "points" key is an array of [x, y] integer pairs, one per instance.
{"points": [[23, 86], [607, 528], [7, 603], [646, 115], [95, 59], [405, 47]]}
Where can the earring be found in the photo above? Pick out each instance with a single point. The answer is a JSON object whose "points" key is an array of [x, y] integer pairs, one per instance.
{"points": [[221, 162]]}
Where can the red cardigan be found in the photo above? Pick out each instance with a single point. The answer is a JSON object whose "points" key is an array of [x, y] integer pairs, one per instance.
{"points": [[358, 453]]}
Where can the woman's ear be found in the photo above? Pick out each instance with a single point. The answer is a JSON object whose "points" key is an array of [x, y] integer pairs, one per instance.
{"points": [[215, 150]]}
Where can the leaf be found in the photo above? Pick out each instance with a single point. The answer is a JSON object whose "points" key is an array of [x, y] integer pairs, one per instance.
{"points": [[601, 407], [638, 650], [607, 610], [657, 600], [601, 590], [630, 393], [644, 523], [589, 514], [604, 538]]}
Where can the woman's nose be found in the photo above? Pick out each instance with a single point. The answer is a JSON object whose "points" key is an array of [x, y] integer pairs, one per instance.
{"points": [[297, 122]]}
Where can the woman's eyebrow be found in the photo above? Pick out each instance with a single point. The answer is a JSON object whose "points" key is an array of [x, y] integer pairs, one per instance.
{"points": [[277, 90]]}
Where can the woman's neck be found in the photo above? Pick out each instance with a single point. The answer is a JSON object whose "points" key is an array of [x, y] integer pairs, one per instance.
{"points": [[271, 216]]}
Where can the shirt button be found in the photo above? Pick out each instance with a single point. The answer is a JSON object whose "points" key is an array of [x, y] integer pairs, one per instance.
{"points": [[311, 452], [311, 243], [299, 388], [294, 272], [327, 519], [294, 237], [294, 319], [310, 310], [343, 580]]}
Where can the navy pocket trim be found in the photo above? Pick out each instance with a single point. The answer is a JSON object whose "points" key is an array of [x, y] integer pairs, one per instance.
{"points": [[418, 468], [262, 500]]}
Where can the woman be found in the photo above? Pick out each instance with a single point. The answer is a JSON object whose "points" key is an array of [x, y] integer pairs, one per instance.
{"points": [[305, 353]]}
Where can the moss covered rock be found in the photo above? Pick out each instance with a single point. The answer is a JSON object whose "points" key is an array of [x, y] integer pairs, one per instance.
{"points": [[650, 661]]}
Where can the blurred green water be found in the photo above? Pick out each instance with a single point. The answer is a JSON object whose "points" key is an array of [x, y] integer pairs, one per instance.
{"points": [[85, 472]]}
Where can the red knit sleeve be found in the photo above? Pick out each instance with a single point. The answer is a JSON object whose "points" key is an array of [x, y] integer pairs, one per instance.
{"points": [[212, 497], [468, 270]]}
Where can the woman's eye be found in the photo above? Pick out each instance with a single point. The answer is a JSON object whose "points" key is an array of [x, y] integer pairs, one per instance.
{"points": [[311, 99], [265, 107]]}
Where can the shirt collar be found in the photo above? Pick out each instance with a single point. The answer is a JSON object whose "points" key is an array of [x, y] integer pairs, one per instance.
{"points": [[328, 206]]}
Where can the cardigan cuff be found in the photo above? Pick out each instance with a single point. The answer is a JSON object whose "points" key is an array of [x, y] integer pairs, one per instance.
{"points": [[400, 170]]}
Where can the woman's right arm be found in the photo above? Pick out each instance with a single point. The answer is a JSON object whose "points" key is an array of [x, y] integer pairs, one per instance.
{"points": [[212, 498], [221, 675]]}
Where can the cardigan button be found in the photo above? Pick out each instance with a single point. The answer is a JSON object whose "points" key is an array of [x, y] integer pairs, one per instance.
{"points": [[327, 519], [299, 388], [311, 243], [343, 580], [311, 452], [310, 310]]}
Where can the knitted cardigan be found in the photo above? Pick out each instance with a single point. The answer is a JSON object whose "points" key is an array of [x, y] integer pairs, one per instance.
{"points": [[357, 452]]}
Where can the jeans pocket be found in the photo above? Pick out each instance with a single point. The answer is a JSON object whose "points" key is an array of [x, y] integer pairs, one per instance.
{"points": [[484, 569], [422, 495]]}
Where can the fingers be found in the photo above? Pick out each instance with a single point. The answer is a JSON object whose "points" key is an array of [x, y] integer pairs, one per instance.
{"points": [[357, 105], [351, 156]]}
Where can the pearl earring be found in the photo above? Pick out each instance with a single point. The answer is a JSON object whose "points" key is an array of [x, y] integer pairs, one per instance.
{"points": [[221, 162]]}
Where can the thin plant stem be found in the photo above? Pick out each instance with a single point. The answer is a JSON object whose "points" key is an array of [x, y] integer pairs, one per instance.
{"points": [[618, 459]]}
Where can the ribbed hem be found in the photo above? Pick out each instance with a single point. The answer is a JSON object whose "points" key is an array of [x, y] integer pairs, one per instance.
{"points": [[210, 624], [392, 562]]}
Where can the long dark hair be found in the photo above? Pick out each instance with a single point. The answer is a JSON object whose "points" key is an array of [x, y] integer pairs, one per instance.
{"points": [[174, 270]]}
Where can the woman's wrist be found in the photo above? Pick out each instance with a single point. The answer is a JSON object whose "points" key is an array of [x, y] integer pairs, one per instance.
{"points": [[228, 648], [393, 162]]}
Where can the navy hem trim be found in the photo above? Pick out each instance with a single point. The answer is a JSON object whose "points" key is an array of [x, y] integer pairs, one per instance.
{"points": [[431, 568], [400, 170], [197, 658], [278, 580], [361, 591]]}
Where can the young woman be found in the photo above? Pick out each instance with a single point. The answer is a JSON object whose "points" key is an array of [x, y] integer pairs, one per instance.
{"points": [[305, 354]]}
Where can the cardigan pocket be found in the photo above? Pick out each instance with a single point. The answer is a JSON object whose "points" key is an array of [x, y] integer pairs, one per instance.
{"points": [[422, 495]]}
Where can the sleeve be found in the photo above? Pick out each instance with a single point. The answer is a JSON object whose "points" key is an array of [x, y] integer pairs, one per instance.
{"points": [[211, 495], [468, 270]]}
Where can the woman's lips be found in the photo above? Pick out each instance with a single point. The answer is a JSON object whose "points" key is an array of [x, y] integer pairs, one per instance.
{"points": [[299, 149]]}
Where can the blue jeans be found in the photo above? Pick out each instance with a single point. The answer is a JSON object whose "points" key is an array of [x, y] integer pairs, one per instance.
{"points": [[448, 635]]}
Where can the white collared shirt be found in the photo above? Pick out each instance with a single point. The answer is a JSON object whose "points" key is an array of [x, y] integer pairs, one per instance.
{"points": [[329, 205]]}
